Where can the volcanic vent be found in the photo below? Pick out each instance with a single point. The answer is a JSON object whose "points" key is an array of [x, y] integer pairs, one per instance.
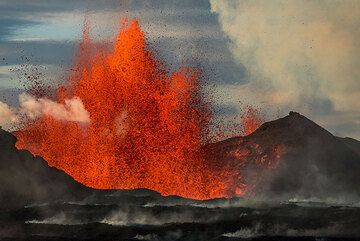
{"points": [[146, 130]]}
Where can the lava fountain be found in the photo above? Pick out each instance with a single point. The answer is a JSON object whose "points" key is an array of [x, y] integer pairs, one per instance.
{"points": [[146, 129]]}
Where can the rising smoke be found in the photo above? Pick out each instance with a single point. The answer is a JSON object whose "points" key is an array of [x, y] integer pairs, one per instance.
{"points": [[299, 55], [7, 115], [33, 108]]}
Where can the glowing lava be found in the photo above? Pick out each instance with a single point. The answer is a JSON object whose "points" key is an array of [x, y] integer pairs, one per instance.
{"points": [[250, 120], [147, 126]]}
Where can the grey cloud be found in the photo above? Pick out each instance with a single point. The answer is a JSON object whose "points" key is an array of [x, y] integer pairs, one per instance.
{"points": [[169, 4], [20, 13], [36, 52], [37, 6], [210, 55], [9, 24], [344, 123]]}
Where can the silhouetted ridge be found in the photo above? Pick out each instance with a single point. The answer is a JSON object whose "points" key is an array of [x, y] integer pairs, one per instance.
{"points": [[314, 163], [351, 143], [25, 178]]}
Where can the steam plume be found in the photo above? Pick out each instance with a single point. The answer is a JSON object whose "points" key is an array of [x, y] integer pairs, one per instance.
{"points": [[7, 115], [33, 108], [299, 54]]}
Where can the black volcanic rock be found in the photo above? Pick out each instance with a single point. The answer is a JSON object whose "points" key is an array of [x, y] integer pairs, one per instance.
{"points": [[313, 163], [351, 143], [27, 179]]}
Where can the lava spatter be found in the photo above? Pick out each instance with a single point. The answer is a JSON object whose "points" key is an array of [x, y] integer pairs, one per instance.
{"points": [[147, 126]]}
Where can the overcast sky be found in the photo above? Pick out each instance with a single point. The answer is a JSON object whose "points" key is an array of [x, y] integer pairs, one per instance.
{"points": [[276, 55]]}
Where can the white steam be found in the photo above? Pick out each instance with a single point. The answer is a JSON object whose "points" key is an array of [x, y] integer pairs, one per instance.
{"points": [[33, 108], [7, 115], [59, 219], [72, 110], [300, 54], [172, 235], [260, 229], [129, 217], [244, 233]]}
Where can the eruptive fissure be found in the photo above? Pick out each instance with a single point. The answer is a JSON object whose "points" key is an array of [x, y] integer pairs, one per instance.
{"points": [[146, 130]]}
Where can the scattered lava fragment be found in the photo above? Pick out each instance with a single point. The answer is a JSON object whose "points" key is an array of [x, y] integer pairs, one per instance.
{"points": [[250, 120]]}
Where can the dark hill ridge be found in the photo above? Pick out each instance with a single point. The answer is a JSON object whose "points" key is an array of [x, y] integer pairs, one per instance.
{"points": [[291, 157], [313, 164], [29, 180], [351, 143], [25, 179]]}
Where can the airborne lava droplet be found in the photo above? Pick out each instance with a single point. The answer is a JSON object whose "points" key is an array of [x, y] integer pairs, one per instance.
{"points": [[250, 120], [146, 130]]}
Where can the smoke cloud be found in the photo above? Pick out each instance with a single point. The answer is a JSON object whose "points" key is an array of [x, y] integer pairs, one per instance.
{"points": [[301, 55], [33, 108], [72, 110], [7, 115]]}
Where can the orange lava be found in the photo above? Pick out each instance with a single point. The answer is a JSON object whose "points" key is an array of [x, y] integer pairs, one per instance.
{"points": [[146, 129], [251, 120], [147, 126]]}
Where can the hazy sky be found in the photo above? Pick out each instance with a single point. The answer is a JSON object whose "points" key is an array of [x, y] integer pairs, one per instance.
{"points": [[276, 55]]}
